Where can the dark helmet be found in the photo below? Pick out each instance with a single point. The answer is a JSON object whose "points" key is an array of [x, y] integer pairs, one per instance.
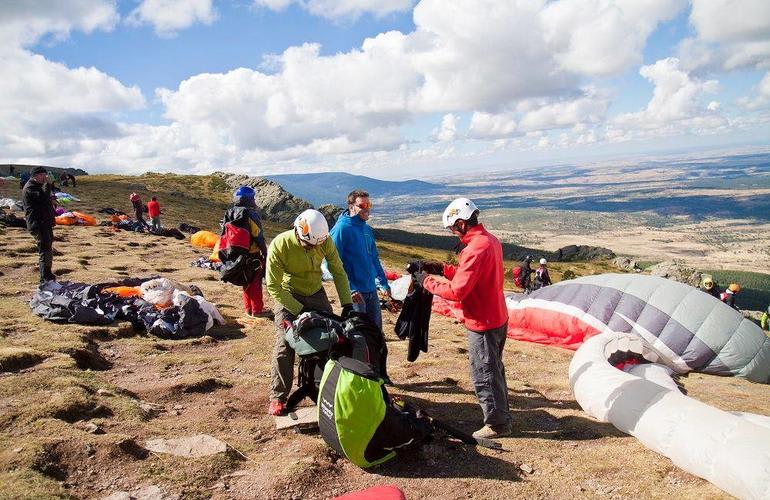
{"points": [[244, 192], [528, 258]]}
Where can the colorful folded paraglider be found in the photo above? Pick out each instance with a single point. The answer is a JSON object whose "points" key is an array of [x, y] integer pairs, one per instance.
{"points": [[75, 219], [204, 239]]}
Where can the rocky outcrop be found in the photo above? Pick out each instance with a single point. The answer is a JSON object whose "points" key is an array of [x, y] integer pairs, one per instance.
{"points": [[273, 201], [626, 264], [572, 253], [331, 213], [677, 271]]}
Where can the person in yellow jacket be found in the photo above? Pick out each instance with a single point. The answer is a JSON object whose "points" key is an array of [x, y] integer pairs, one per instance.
{"points": [[294, 281]]}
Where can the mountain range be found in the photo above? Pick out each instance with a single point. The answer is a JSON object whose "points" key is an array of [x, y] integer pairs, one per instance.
{"points": [[333, 187]]}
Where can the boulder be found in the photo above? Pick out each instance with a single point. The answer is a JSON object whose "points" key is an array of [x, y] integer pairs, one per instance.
{"points": [[201, 445], [331, 213], [274, 203], [572, 253], [626, 264], [677, 271]]}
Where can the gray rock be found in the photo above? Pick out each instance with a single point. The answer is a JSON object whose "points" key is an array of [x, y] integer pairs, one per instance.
{"points": [[572, 253], [331, 213], [201, 445], [88, 427], [626, 263], [677, 271], [273, 202]]}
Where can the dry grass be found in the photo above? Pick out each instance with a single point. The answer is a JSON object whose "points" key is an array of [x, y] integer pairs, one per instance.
{"points": [[136, 388]]}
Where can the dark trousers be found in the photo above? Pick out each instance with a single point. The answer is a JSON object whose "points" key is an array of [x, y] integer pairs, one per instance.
{"points": [[44, 240], [485, 351], [282, 371]]}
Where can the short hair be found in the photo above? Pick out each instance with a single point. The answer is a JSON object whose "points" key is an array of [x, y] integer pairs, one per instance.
{"points": [[154, 198], [473, 220], [356, 193]]}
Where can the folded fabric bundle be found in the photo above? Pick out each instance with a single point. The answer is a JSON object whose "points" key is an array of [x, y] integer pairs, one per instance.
{"points": [[187, 315]]}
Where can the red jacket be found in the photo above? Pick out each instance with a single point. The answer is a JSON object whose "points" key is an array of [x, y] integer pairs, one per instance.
{"points": [[476, 282], [153, 208]]}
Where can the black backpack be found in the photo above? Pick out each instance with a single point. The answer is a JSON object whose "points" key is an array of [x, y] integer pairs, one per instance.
{"points": [[239, 267]]}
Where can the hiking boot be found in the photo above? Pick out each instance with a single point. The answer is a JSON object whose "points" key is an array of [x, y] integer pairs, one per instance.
{"points": [[276, 408], [490, 432], [263, 314]]}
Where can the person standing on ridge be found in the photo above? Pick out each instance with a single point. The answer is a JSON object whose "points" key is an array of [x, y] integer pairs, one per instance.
{"points": [[153, 210], [477, 283], [294, 281], [136, 203], [728, 296], [39, 214], [355, 244], [542, 277], [526, 273], [253, 302], [710, 287]]}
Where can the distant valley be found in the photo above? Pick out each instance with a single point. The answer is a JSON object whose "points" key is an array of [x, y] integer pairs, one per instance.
{"points": [[710, 212]]}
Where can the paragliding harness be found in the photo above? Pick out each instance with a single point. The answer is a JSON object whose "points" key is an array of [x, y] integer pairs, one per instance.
{"points": [[239, 267], [358, 419], [318, 336]]}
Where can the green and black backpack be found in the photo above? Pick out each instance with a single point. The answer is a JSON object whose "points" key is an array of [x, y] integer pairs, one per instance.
{"points": [[356, 416]]}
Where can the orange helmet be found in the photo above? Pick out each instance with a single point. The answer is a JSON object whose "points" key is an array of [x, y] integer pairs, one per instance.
{"points": [[734, 287]]}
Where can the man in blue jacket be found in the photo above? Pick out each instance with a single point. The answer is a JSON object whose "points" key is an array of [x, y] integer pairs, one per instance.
{"points": [[354, 240]]}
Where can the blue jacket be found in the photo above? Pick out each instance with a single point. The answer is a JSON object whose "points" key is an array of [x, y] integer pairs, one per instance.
{"points": [[354, 240]]}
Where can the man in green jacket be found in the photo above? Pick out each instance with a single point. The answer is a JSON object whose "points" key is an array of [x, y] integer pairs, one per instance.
{"points": [[294, 281]]}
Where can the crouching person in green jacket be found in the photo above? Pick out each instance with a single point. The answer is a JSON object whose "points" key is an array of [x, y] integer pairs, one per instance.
{"points": [[359, 420], [294, 281]]}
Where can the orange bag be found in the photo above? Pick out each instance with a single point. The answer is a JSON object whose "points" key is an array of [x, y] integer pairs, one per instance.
{"points": [[84, 220], [65, 221], [205, 239]]}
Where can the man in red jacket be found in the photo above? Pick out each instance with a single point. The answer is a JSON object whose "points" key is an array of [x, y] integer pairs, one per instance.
{"points": [[153, 210], [477, 283]]}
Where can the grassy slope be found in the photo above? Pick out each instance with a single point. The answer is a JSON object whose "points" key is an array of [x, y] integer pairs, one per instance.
{"points": [[136, 388]]}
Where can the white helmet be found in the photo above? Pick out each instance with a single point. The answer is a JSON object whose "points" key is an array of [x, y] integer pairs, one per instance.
{"points": [[312, 227], [461, 208], [543, 262]]}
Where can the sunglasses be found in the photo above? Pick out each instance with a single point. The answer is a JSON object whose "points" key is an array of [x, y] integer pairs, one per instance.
{"points": [[364, 205]]}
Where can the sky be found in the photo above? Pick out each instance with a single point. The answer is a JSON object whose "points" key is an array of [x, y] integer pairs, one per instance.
{"points": [[390, 89]]}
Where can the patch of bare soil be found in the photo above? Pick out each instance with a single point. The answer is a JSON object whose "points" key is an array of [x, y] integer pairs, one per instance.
{"points": [[133, 388]]}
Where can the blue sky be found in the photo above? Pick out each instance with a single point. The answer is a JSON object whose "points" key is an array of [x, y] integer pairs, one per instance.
{"points": [[390, 88]]}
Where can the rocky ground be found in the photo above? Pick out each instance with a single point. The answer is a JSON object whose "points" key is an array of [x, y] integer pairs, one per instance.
{"points": [[79, 404]]}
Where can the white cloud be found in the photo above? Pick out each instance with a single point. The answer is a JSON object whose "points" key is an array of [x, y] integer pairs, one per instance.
{"points": [[491, 126], [341, 9], [448, 130], [730, 34], [761, 95], [603, 37], [677, 105], [46, 104], [169, 16], [23, 22]]}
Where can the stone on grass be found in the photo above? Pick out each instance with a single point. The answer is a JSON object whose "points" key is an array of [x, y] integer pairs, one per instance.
{"points": [[201, 445]]}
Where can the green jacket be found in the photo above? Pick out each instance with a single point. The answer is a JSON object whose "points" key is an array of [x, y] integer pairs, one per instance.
{"points": [[292, 269]]}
